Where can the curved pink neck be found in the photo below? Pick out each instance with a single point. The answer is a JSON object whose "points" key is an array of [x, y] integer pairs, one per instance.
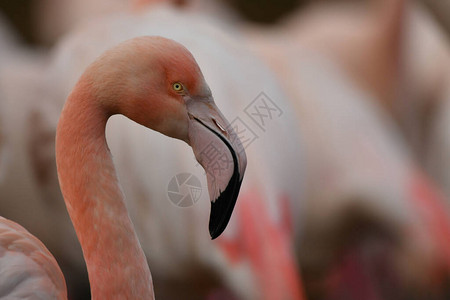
{"points": [[115, 261]]}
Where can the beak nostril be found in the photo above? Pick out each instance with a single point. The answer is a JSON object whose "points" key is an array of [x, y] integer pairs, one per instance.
{"points": [[220, 127]]}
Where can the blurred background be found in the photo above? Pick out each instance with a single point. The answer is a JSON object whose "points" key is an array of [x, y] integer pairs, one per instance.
{"points": [[343, 107]]}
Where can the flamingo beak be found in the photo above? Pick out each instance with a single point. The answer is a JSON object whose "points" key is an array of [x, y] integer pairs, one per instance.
{"points": [[220, 152]]}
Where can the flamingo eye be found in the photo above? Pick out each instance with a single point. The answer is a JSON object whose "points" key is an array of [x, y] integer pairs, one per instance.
{"points": [[177, 87]]}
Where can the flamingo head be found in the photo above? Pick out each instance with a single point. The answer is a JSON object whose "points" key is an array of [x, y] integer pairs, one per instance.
{"points": [[157, 83]]}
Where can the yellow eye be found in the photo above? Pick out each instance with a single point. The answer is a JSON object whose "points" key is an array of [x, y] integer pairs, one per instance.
{"points": [[178, 87]]}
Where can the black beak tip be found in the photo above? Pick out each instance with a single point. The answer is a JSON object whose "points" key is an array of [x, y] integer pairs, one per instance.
{"points": [[221, 211], [215, 232], [222, 208]]}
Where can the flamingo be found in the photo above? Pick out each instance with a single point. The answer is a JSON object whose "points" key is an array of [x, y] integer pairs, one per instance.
{"points": [[375, 191], [180, 240], [375, 199], [144, 79]]}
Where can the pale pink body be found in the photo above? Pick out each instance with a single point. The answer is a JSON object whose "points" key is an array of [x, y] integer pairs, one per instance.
{"points": [[337, 76], [29, 271]]}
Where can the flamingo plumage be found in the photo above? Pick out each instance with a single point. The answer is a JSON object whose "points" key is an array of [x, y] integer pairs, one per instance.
{"points": [[143, 89], [345, 94], [180, 239], [29, 270]]}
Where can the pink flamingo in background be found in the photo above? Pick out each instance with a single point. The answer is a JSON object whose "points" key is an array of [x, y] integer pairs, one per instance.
{"points": [[157, 83]]}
